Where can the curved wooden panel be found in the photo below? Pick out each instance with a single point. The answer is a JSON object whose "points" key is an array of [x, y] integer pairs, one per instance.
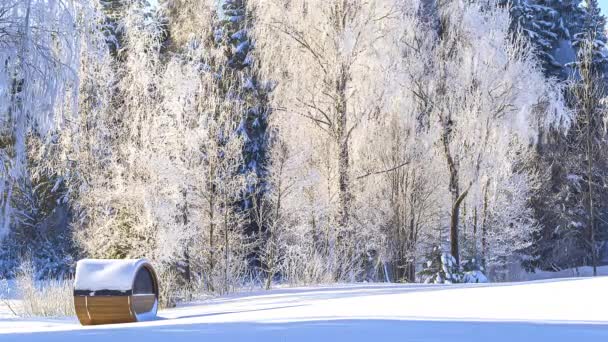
{"points": [[81, 310], [104, 310]]}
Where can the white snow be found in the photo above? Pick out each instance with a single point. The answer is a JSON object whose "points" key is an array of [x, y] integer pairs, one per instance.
{"points": [[106, 274], [562, 310], [583, 271]]}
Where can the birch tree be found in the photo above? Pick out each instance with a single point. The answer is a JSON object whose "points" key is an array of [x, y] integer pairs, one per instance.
{"points": [[328, 67], [478, 107], [39, 53]]}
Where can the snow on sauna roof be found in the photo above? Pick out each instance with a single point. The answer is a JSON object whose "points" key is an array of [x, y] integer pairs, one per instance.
{"points": [[106, 274]]}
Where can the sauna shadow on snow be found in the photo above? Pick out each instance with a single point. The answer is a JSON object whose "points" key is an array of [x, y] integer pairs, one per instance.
{"points": [[334, 330]]}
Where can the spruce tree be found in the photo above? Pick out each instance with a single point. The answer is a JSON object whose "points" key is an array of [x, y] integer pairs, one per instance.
{"points": [[592, 32], [561, 204], [440, 268], [549, 25], [233, 37], [113, 10]]}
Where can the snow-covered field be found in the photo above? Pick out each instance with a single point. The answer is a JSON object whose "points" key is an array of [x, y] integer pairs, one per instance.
{"points": [[584, 271], [555, 310]]}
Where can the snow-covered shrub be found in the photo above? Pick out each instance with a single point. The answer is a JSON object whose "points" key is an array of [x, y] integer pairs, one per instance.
{"points": [[168, 290], [474, 277], [48, 298], [473, 271], [441, 268]]}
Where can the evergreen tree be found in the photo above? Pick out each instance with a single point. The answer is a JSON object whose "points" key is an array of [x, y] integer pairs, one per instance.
{"points": [[113, 10], [232, 36], [562, 202], [593, 32], [440, 268], [589, 139], [549, 25]]}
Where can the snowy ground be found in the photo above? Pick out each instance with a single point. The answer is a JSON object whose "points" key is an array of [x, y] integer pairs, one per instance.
{"points": [[558, 310], [584, 271]]}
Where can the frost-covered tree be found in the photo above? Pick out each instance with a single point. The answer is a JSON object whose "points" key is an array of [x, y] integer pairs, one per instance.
{"points": [[326, 59], [400, 130], [113, 199], [398, 193], [169, 188], [222, 28], [271, 212], [479, 110], [39, 73], [590, 136], [44, 45]]}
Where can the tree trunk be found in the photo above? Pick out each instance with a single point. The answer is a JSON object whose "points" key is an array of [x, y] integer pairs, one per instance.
{"points": [[411, 247], [457, 197], [344, 196], [211, 237], [590, 185], [187, 269], [343, 149], [455, 214], [484, 239], [226, 247]]}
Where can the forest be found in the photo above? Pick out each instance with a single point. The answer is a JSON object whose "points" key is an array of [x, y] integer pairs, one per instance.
{"points": [[262, 142]]}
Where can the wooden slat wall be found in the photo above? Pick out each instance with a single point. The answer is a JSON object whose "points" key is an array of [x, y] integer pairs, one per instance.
{"points": [[81, 310], [104, 309]]}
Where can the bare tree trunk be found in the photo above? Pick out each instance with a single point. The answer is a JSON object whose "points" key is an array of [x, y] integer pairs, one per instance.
{"points": [[344, 195], [343, 146], [411, 246], [211, 237], [454, 248], [455, 192], [226, 250], [187, 270], [272, 234], [475, 229], [590, 185], [484, 224]]}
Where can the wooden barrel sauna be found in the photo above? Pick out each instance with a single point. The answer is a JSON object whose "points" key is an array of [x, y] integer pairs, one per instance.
{"points": [[115, 291]]}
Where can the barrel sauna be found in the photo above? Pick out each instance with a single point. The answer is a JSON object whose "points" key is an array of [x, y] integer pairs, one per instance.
{"points": [[115, 291]]}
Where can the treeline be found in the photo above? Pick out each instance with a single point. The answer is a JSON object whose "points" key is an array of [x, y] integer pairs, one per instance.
{"points": [[259, 142]]}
